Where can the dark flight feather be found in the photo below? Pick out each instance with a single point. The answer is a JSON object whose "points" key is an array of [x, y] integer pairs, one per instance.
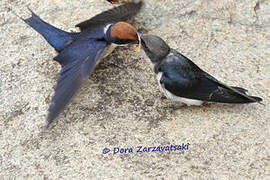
{"points": [[78, 61], [57, 38], [121, 13], [78, 52]]}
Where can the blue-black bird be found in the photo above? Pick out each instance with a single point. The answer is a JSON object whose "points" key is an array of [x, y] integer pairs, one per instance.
{"points": [[80, 52], [182, 80]]}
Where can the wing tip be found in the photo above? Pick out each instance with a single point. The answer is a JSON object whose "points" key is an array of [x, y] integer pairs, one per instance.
{"points": [[258, 100], [137, 4], [52, 114], [134, 5], [29, 19], [50, 119], [48, 124]]}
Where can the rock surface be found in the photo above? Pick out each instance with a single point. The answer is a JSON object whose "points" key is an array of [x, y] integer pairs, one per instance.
{"points": [[121, 105]]}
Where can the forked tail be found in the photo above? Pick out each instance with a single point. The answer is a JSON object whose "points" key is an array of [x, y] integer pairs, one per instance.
{"points": [[57, 38]]}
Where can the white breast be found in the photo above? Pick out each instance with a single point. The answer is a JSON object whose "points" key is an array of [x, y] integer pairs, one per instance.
{"points": [[106, 28], [173, 97], [109, 50]]}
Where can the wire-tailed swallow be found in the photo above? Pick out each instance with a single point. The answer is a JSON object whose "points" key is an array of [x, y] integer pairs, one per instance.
{"points": [[79, 53], [182, 80]]}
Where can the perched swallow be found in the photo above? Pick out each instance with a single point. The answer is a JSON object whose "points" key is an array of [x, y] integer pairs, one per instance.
{"points": [[182, 80], [79, 53]]}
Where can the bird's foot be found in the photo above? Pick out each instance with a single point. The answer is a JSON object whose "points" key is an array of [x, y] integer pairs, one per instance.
{"points": [[163, 97], [179, 107], [174, 108], [206, 104]]}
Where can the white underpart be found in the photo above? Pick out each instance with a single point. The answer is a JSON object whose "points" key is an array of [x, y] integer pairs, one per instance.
{"points": [[109, 50], [152, 65], [173, 97], [106, 28], [111, 47]]}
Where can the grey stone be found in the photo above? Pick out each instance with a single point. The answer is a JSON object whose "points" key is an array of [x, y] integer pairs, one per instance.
{"points": [[122, 107]]}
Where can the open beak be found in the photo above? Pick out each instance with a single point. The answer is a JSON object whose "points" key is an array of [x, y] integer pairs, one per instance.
{"points": [[138, 46]]}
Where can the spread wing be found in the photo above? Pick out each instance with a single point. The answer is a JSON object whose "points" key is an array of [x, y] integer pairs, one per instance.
{"points": [[78, 61], [184, 79], [121, 13]]}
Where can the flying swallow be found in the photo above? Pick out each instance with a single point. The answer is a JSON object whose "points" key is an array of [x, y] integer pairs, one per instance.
{"points": [[79, 53], [183, 81]]}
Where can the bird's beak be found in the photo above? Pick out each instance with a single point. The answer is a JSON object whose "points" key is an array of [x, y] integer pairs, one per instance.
{"points": [[123, 2], [118, 2], [138, 46]]}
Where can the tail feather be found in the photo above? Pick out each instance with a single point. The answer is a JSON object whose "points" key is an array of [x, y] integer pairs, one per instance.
{"points": [[57, 38], [233, 94], [258, 99], [251, 98], [230, 94], [242, 90]]}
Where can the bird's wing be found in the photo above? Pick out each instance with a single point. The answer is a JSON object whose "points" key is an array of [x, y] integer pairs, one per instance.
{"points": [[121, 13], [185, 79], [180, 79], [233, 90], [78, 60]]}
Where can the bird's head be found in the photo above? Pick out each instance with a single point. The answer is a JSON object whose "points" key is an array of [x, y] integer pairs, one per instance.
{"points": [[154, 47], [122, 33]]}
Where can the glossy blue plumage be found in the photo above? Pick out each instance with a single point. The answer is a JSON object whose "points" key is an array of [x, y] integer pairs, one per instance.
{"points": [[185, 79], [182, 80], [80, 59], [57, 38], [79, 53]]}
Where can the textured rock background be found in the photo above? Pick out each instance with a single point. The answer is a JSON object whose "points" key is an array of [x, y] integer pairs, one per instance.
{"points": [[121, 106]]}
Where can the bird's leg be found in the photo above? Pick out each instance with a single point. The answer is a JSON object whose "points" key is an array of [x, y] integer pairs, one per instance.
{"points": [[206, 104], [174, 108], [178, 107], [163, 97]]}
